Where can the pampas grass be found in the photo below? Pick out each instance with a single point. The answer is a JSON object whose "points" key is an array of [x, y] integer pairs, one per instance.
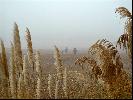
{"points": [[65, 82], [17, 51], [49, 85], [125, 39], [102, 75], [4, 61], [39, 75], [59, 93], [30, 49], [13, 87]]}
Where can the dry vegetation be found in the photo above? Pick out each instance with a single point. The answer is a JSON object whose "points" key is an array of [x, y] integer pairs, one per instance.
{"points": [[125, 39], [99, 75]]}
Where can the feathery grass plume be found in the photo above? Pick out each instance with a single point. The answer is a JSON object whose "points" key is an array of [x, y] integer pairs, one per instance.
{"points": [[26, 77], [4, 60], [38, 64], [0, 56], [39, 74], [21, 89], [17, 53], [81, 61], [30, 49], [5, 81], [56, 89], [65, 82], [112, 72], [59, 93], [0, 59], [1, 68], [25, 70], [106, 58], [49, 85], [2, 74], [75, 84], [58, 63], [12, 76], [17, 50], [12, 61], [12, 81], [124, 12], [95, 70], [38, 89], [4, 89], [30, 58], [126, 38], [121, 88]]}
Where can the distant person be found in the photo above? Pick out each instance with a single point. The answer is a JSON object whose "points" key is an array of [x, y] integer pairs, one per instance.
{"points": [[66, 50], [75, 51], [62, 51]]}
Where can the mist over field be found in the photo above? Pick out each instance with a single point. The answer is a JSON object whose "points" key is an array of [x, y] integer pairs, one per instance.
{"points": [[66, 23], [65, 49]]}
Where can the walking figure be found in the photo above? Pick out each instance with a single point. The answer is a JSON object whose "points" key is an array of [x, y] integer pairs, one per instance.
{"points": [[75, 51]]}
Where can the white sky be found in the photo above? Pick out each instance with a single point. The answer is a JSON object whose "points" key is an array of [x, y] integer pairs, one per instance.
{"points": [[66, 23]]}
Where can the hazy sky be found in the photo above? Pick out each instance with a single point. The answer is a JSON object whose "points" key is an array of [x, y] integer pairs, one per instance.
{"points": [[72, 23]]}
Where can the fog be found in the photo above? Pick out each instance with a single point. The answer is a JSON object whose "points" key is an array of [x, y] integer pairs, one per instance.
{"points": [[65, 23]]}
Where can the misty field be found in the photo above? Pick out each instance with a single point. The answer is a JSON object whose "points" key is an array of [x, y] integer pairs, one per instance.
{"points": [[103, 71], [99, 73]]}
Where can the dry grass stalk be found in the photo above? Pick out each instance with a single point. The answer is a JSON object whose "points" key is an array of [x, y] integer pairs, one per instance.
{"points": [[107, 58], [124, 12], [75, 84], [25, 71], [56, 89], [13, 83], [30, 49], [1, 68], [17, 51], [38, 64], [59, 93], [30, 57], [92, 63], [65, 82], [21, 89], [81, 61], [49, 85], [109, 61], [5, 73], [39, 74], [126, 38], [26, 77], [4, 60], [38, 89], [12, 61]]}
